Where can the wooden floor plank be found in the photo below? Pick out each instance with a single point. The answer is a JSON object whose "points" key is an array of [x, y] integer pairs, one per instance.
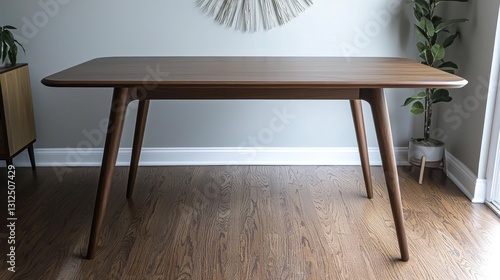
{"points": [[247, 222]]}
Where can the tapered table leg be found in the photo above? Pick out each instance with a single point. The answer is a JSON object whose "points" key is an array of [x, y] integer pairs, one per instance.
{"points": [[359, 125], [115, 127], [380, 113], [142, 114]]}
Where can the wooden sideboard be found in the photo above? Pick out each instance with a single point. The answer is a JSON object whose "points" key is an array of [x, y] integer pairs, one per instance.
{"points": [[17, 121]]}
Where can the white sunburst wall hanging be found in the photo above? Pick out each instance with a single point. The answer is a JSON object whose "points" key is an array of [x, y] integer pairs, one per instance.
{"points": [[252, 15]]}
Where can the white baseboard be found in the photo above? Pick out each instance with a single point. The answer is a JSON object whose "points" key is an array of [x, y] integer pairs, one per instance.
{"points": [[465, 179], [69, 157], [462, 176]]}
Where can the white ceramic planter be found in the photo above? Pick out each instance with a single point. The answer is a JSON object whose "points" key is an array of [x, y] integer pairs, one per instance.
{"points": [[433, 150]]}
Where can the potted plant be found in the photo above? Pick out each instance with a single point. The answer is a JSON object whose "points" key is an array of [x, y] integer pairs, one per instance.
{"points": [[8, 46], [432, 51]]}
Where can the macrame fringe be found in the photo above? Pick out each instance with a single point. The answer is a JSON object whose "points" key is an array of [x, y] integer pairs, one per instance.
{"points": [[250, 15]]}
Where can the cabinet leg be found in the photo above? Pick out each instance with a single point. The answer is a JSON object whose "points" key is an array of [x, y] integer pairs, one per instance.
{"points": [[31, 153]]}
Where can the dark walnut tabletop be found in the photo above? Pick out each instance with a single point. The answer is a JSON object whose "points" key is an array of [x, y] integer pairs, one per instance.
{"points": [[313, 72]]}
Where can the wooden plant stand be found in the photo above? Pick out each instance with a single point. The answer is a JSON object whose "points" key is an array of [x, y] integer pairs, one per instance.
{"points": [[423, 164]]}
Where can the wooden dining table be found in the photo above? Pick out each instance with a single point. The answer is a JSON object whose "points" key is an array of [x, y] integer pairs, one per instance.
{"points": [[251, 78]]}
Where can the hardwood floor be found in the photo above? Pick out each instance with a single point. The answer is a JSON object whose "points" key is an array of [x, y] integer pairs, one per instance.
{"points": [[247, 222]]}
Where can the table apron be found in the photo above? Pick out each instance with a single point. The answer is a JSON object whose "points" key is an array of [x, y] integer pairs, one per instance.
{"points": [[235, 93]]}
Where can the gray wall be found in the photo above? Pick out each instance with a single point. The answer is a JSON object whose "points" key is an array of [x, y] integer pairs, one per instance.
{"points": [[462, 120], [67, 32]]}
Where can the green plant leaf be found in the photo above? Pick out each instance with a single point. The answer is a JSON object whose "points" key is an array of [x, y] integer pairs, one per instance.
{"points": [[13, 54], [19, 44], [422, 56], [418, 96], [434, 39], [417, 108], [436, 20], [408, 101], [421, 32], [417, 13], [450, 39], [448, 66], [8, 37], [421, 47], [441, 95], [422, 5], [428, 26], [442, 26], [438, 52], [428, 57], [439, 1]]}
